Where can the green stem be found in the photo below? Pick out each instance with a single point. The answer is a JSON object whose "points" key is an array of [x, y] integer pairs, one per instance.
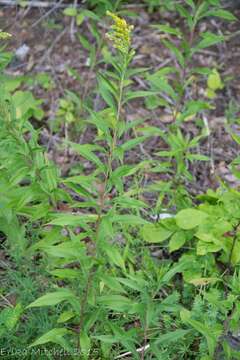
{"points": [[115, 131], [233, 245], [102, 198]]}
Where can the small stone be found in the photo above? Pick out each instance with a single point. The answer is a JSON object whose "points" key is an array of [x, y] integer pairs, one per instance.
{"points": [[22, 52]]}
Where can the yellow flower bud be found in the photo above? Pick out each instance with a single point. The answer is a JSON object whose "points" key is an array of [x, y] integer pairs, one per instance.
{"points": [[4, 35], [120, 33]]}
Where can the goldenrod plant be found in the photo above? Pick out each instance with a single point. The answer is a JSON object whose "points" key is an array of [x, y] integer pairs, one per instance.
{"points": [[4, 35], [99, 265]]}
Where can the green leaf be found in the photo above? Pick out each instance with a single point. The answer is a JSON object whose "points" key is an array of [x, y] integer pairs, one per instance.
{"points": [[54, 336], [53, 298], [12, 316], [112, 283], [115, 256], [65, 273], [204, 248], [209, 39], [73, 220], [197, 157], [177, 241], [138, 94], [214, 81], [116, 302], [107, 91], [84, 41], [175, 269], [168, 29], [108, 339], [235, 258], [26, 105], [155, 233], [223, 14], [172, 336], [67, 249], [133, 284], [202, 328], [85, 343], [70, 11], [87, 151], [130, 144], [178, 54], [190, 218], [65, 316]]}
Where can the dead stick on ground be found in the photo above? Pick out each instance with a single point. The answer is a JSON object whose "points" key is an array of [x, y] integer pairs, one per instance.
{"points": [[72, 26], [122, 356], [44, 4]]}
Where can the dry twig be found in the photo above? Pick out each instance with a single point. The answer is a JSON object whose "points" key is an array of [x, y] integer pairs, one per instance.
{"points": [[43, 4]]}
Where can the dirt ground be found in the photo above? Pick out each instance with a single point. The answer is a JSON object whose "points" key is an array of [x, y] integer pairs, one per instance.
{"points": [[54, 47]]}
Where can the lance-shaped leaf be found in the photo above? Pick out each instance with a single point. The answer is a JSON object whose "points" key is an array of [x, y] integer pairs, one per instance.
{"points": [[53, 298]]}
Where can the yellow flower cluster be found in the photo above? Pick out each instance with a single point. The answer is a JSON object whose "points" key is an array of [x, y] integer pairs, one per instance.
{"points": [[120, 33], [4, 35]]}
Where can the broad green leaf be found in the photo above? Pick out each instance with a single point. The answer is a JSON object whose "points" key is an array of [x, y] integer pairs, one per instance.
{"points": [[177, 241], [10, 82], [12, 316], [155, 233], [190, 218], [204, 248], [26, 105], [211, 94], [206, 236], [70, 11], [214, 81]]}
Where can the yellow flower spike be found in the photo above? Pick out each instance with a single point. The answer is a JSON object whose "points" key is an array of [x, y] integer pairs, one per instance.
{"points": [[120, 33], [4, 35]]}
